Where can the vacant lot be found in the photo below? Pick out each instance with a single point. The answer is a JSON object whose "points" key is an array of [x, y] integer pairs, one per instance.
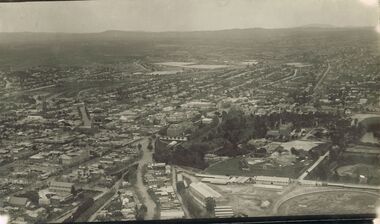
{"points": [[248, 199]]}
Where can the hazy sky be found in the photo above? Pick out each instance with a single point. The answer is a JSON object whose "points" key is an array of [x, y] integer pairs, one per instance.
{"points": [[182, 15]]}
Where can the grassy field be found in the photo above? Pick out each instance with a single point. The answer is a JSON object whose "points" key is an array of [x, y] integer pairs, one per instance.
{"points": [[328, 203], [232, 167]]}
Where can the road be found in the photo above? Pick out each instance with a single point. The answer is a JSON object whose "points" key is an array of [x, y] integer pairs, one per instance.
{"points": [[116, 186], [140, 186], [283, 79], [322, 78], [65, 215], [142, 189], [85, 116], [174, 183], [20, 92], [320, 159]]}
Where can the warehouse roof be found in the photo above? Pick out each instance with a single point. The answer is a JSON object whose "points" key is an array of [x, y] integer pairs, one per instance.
{"points": [[205, 190]]}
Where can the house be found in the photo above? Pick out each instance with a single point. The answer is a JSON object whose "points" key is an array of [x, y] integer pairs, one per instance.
{"points": [[199, 105], [207, 120], [273, 134], [168, 170], [285, 129]]}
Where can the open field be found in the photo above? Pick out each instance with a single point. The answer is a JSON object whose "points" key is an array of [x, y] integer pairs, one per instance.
{"points": [[191, 65], [335, 202]]}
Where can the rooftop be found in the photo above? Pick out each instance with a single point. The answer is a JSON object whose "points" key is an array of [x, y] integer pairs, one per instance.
{"points": [[205, 190]]}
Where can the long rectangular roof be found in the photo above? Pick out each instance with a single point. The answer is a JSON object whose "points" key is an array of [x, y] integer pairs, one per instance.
{"points": [[205, 190], [61, 184]]}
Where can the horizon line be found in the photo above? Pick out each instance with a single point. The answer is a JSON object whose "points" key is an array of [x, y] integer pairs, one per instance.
{"points": [[311, 26]]}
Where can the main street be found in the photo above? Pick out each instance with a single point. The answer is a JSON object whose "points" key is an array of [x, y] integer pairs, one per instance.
{"points": [[316, 87], [141, 188], [174, 183]]}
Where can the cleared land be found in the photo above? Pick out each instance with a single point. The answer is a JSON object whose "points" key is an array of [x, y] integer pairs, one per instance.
{"points": [[247, 199]]}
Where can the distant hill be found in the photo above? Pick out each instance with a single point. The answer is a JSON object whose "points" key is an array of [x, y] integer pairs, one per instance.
{"points": [[130, 35], [20, 50], [317, 25]]}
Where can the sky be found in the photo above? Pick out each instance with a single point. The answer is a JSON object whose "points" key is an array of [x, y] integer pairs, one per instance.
{"points": [[182, 15]]}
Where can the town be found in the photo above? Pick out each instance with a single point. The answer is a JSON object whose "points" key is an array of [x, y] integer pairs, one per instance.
{"points": [[273, 127]]}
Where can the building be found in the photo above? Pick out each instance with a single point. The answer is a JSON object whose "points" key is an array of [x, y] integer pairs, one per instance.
{"points": [[179, 178], [199, 105], [168, 170], [98, 116], [75, 157], [18, 201], [207, 120], [223, 211], [201, 191], [267, 180], [285, 129], [128, 116], [215, 181], [273, 134], [158, 165], [61, 187], [172, 214]]}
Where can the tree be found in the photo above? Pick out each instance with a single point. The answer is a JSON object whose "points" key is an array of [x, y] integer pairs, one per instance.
{"points": [[140, 212], [73, 190], [144, 208], [163, 131], [150, 146], [32, 196], [294, 151]]}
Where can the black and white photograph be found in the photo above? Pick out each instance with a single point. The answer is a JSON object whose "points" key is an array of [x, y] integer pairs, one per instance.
{"points": [[138, 110]]}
